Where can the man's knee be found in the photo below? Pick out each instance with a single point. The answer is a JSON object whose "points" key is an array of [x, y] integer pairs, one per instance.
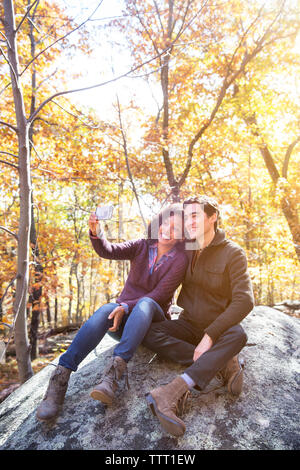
{"points": [[239, 335], [154, 335]]}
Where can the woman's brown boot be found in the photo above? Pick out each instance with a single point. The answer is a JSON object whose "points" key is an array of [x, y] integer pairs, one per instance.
{"points": [[105, 391], [55, 394]]}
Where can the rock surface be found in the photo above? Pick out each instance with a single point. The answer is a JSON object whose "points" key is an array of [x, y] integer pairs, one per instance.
{"points": [[265, 416]]}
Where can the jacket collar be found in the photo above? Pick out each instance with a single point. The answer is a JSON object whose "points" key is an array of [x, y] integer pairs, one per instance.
{"points": [[218, 239]]}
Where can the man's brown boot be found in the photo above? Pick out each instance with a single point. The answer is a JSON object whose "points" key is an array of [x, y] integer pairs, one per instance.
{"points": [[55, 394], [105, 391], [166, 402], [233, 375]]}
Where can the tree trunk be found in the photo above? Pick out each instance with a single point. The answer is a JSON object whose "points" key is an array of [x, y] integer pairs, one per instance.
{"points": [[91, 286], [36, 293], [288, 204], [79, 282], [48, 313], [70, 292], [55, 309], [164, 80], [21, 336]]}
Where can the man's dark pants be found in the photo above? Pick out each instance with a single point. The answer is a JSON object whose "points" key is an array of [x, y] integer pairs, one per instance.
{"points": [[176, 340]]}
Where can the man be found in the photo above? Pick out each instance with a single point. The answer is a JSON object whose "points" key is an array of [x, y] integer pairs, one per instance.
{"points": [[215, 296]]}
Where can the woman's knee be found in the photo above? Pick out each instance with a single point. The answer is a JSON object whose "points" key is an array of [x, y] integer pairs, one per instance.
{"points": [[147, 306], [146, 301], [100, 315]]}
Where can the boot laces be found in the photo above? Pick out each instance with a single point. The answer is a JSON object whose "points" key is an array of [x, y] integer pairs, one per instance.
{"points": [[112, 374], [126, 378], [179, 406]]}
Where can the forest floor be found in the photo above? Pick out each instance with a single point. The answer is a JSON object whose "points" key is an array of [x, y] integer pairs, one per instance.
{"points": [[9, 377]]}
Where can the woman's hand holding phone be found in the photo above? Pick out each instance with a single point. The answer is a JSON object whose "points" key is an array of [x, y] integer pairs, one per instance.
{"points": [[102, 213]]}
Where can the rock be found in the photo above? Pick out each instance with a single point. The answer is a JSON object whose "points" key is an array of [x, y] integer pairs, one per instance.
{"points": [[265, 416]]}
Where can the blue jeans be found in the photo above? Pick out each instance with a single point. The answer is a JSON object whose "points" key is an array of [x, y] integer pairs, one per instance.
{"points": [[132, 332]]}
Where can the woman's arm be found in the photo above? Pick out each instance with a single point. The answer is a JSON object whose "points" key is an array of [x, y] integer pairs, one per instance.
{"points": [[107, 250]]}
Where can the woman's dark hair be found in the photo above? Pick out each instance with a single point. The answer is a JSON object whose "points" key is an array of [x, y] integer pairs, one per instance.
{"points": [[210, 206], [156, 222]]}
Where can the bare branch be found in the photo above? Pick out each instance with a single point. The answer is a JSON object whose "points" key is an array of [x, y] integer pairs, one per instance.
{"points": [[45, 79], [5, 38], [33, 25], [60, 39], [8, 61], [77, 117], [26, 14], [10, 164], [4, 55], [145, 28], [242, 39], [159, 17], [93, 86], [9, 125], [124, 145], [8, 153], [6, 86], [182, 29], [9, 231]]}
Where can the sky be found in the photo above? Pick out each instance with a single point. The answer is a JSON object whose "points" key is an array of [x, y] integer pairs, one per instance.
{"points": [[107, 62]]}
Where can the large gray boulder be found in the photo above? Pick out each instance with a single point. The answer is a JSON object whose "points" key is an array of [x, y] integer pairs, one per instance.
{"points": [[265, 416]]}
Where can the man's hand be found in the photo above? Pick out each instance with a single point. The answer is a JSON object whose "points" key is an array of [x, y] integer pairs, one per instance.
{"points": [[204, 345], [93, 222], [117, 315]]}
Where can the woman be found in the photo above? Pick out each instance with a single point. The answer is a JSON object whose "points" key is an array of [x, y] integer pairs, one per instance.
{"points": [[158, 265]]}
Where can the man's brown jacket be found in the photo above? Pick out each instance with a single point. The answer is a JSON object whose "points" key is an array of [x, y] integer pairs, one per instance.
{"points": [[216, 292]]}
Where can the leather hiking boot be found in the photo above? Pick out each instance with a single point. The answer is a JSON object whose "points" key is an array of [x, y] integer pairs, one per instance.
{"points": [[55, 394], [105, 391], [233, 375], [166, 402]]}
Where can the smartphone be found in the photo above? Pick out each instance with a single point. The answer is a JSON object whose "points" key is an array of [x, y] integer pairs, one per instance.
{"points": [[104, 212]]}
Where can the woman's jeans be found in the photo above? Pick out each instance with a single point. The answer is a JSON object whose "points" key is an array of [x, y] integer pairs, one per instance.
{"points": [[132, 330]]}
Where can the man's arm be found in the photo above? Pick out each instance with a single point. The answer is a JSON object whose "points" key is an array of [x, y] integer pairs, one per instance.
{"points": [[204, 345]]}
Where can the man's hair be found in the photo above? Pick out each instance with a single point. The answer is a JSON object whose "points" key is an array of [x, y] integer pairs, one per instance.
{"points": [[156, 222], [209, 205]]}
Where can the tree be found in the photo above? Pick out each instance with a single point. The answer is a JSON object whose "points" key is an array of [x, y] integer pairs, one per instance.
{"points": [[209, 47], [23, 130]]}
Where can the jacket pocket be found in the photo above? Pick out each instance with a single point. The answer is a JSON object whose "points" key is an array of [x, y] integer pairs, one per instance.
{"points": [[215, 277]]}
